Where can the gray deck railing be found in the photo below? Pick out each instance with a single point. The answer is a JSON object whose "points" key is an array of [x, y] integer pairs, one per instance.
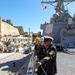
{"points": [[31, 66], [31, 70]]}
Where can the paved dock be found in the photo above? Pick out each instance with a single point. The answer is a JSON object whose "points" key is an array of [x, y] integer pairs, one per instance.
{"points": [[65, 64]]}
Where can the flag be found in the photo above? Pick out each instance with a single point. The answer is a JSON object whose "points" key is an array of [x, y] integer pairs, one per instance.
{"points": [[44, 7]]}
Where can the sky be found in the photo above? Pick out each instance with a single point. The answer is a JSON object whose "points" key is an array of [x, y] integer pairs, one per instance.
{"points": [[28, 13]]}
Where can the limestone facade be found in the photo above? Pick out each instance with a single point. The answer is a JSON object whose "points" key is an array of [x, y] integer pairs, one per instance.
{"points": [[7, 29], [9, 32]]}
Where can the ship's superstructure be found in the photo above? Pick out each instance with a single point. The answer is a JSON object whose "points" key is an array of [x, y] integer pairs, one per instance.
{"points": [[62, 24]]}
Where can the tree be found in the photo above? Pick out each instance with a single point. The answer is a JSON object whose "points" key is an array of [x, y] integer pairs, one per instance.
{"points": [[7, 43], [9, 21]]}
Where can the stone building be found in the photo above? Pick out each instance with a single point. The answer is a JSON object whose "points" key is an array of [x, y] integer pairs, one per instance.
{"points": [[20, 29], [12, 33], [6, 29]]}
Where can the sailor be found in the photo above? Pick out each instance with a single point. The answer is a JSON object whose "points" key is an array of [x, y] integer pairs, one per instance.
{"points": [[48, 63], [37, 41], [40, 54], [41, 47]]}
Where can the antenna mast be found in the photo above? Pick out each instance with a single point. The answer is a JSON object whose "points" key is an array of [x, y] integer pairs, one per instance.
{"points": [[58, 4]]}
